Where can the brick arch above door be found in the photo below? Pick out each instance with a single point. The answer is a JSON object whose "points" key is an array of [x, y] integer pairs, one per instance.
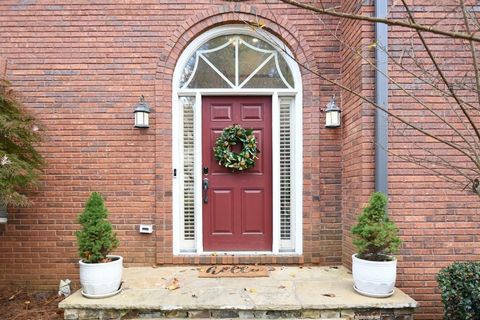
{"points": [[229, 14]]}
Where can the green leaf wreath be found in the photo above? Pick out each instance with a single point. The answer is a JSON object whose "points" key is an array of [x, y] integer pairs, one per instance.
{"points": [[236, 161]]}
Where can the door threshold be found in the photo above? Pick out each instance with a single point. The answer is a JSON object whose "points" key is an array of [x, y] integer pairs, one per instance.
{"points": [[240, 253]]}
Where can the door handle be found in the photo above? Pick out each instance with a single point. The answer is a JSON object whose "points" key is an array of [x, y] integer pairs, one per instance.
{"points": [[205, 190]]}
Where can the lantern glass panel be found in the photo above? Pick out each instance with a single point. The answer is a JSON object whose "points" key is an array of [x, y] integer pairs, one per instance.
{"points": [[332, 119], [137, 118], [328, 119], [141, 119], [145, 119], [334, 115]]}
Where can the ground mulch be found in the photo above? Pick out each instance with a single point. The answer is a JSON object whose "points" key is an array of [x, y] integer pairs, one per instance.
{"points": [[22, 304]]}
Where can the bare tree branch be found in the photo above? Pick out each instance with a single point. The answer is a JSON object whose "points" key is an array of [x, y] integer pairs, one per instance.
{"points": [[416, 99], [443, 119], [440, 72], [472, 50], [390, 22]]}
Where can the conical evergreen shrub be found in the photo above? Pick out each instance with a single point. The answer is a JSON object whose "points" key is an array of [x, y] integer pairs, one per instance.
{"points": [[96, 239], [375, 235], [20, 162]]}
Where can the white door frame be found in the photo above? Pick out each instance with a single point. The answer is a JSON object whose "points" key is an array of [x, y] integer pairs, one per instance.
{"points": [[196, 248]]}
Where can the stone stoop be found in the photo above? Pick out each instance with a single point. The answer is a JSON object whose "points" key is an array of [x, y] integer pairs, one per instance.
{"points": [[287, 293], [361, 314]]}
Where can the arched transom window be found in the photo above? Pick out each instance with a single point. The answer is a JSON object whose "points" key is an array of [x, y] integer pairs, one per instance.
{"points": [[236, 62]]}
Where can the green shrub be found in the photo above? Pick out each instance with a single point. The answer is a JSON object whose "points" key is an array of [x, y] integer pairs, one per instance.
{"points": [[20, 162], [375, 235], [460, 287], [96, 239]]}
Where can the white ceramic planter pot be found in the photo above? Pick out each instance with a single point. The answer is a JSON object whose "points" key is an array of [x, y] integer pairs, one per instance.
{"points": [[374, 278], [99, 280]]}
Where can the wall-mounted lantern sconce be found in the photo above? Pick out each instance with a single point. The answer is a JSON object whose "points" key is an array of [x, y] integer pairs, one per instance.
{"points": [[332, 114], [141, 113]]}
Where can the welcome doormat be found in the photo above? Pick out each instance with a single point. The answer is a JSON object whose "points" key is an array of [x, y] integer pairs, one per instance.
{"points": [[233, 271]]}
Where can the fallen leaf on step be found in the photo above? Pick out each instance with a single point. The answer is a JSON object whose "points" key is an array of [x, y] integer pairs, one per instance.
{"points": [[251, 290], [292, 275], [330, 295], [194, 296], [174, 285], [281, 287]]}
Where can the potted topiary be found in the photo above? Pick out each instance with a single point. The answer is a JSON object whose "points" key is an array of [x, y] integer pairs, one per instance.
{"points": [[100, 273], [374, 268]]}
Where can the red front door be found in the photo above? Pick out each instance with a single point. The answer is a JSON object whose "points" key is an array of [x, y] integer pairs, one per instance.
{"points": [[237, 211]]}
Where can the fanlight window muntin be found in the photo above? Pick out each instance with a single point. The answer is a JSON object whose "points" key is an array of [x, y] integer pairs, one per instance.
{"points": [[236, 62]]}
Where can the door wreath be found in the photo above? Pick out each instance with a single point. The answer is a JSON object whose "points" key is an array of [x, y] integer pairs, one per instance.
{"points": [[236, 161]]}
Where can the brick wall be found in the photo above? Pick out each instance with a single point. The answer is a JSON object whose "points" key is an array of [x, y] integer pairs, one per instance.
{"points": [[81, 68], [439, 221]]}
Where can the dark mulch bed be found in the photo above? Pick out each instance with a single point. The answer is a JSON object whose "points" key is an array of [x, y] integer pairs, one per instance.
{"points": [[22, 304]]}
